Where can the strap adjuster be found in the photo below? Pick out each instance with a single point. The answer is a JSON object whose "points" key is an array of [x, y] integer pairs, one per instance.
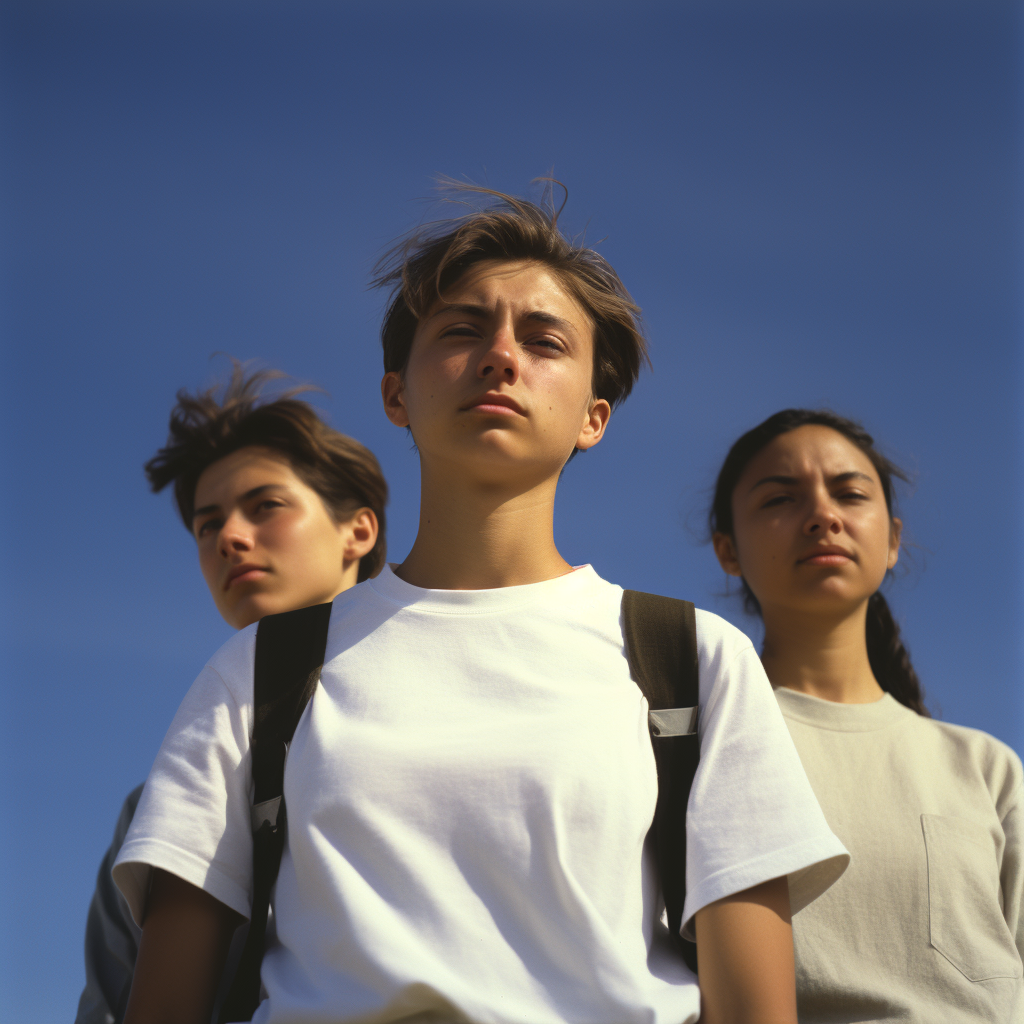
{"points": [[672, 721], [267, 811]]}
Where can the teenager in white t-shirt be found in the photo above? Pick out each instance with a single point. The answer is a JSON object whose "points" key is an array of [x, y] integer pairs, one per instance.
{"points": [[286, 513], [927, 924], [471, 787]]}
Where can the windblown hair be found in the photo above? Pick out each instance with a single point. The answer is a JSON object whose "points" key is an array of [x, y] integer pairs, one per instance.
{"points": [[889, 658], [430, 259], [205, 428]]}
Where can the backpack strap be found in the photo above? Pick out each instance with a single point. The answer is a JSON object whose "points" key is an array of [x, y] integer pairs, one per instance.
{"points": [[661, 647], [290, 649]]}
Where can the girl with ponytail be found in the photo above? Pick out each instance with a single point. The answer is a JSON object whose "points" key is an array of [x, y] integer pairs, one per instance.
{"points": [[926, 924]]}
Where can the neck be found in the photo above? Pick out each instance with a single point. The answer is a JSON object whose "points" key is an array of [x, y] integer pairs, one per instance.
{"points": [[821, 655], [480, 536]]}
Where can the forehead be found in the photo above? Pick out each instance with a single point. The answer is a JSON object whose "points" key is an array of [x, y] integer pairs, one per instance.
{"points": [[241, 471], [524, 286], [809, 451]]}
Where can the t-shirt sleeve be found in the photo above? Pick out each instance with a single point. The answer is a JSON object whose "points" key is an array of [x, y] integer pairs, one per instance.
{"points": [[193, 817], [752, 815], [1011, 874]]}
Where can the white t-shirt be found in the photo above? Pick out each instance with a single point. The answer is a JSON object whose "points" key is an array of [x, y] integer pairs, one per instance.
{"points": [[469, 793]]}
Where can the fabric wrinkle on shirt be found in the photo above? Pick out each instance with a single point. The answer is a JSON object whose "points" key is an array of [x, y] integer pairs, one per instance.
{"points": [[469, 794]]}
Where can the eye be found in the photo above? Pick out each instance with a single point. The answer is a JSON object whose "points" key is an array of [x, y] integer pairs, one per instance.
{"points": [[460, 331], [853, 496], [268, 503], [208, 526], [551, 344], [777, 499]]}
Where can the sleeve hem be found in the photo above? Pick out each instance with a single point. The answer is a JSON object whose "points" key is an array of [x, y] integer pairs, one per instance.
{"points": [[137, 859], [811, 866]]}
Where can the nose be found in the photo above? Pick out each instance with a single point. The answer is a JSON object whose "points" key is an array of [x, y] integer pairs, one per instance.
{"points": [[500, 358], [235, 536], [824, 518]]}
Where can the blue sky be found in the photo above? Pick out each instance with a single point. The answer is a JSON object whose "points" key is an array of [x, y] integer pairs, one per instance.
{"points": [[815, 204]]}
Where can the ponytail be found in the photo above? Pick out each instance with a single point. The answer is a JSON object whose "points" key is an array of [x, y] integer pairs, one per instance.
{"points": [[889, 659]]}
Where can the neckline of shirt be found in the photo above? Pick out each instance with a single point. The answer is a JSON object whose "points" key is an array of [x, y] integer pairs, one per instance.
{"points": [[828, 714], [482, 602]]}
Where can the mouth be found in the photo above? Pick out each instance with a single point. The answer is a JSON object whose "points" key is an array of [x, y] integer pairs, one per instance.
{"points": [[827, 555], [244, 573], [495, 404]]}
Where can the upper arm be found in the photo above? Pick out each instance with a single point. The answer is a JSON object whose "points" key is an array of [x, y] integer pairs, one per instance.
{"points": [[185, 939], [745, 947], [1012, 870]]}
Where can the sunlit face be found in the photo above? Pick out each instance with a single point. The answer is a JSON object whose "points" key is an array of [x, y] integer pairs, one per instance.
{"points": [[499, 375], [811, 528], [266, 541]]}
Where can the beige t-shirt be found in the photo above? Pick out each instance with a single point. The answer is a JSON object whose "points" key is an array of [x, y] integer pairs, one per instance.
{"points": [[926, 924]]}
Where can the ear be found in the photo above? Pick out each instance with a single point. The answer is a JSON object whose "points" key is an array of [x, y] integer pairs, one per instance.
{"points": [[392, 390], [895, 533], [360, 534], [725, 549], [594, 424]]}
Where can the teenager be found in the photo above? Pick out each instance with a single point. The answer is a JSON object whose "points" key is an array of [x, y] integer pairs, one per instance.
{"points": [[470, 788], [926, 925], [286, 513]]}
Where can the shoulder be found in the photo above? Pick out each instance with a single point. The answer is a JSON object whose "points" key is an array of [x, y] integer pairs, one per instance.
{"points": [[973, 749], [719, 642], [232, 665]]}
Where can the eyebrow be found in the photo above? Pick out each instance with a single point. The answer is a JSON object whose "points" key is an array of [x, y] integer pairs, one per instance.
{"points": [[210, 509], [791, 481], [538, 316]]}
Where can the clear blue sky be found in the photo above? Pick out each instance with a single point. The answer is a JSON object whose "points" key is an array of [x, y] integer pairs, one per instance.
{"points": [[813, 203]]}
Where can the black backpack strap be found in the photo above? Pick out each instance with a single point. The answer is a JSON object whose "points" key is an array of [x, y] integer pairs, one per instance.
{"points": [[290, 650], [661, 646]]}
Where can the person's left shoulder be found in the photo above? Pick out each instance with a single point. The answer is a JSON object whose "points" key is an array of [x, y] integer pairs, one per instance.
{"points": [[997, 762], [719, 641]]}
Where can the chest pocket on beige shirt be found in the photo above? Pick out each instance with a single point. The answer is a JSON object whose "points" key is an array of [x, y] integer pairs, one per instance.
{"points": [[964, 900]]}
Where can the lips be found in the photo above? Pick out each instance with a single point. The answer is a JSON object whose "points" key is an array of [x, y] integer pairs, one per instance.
{"points": [[244, 573], [496, 403], [827, 555]]}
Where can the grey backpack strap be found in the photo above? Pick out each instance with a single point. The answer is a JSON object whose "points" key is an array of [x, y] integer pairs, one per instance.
{"points": [[290, 650], [661, 646]]}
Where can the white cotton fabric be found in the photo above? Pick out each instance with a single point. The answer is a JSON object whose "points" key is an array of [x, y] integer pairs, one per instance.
{"points": [[469, 793]]}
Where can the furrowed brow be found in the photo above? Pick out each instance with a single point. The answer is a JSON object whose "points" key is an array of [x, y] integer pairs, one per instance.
{"points": [[787, 481], [466, 308], [539, 316], [853, 474]]}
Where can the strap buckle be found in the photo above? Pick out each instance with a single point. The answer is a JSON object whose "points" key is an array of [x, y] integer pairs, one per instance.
{"points": [[267, 811], [673, 721]]}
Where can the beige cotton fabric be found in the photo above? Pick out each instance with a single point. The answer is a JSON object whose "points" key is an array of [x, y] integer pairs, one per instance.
{"points": [[925, 925]]}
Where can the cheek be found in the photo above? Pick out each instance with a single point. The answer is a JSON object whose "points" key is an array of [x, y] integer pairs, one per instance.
{"points": [[762, 551], [876, 536]]}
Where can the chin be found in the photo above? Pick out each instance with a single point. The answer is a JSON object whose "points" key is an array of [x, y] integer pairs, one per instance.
{"points": [[248, 612]]}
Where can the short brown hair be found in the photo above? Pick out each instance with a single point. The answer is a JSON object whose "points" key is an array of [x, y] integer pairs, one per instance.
{"points": [[427, 261], [205, 428]]}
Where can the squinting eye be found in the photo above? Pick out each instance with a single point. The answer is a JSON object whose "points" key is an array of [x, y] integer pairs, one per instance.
{"points": [[777, 500], [206, 527]]}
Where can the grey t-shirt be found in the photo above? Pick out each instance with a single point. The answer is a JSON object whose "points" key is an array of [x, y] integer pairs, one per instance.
{"points": [[112, 940]]}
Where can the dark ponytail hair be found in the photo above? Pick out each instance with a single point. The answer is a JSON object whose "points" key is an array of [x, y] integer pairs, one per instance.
{"points": [[889, 659]]}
